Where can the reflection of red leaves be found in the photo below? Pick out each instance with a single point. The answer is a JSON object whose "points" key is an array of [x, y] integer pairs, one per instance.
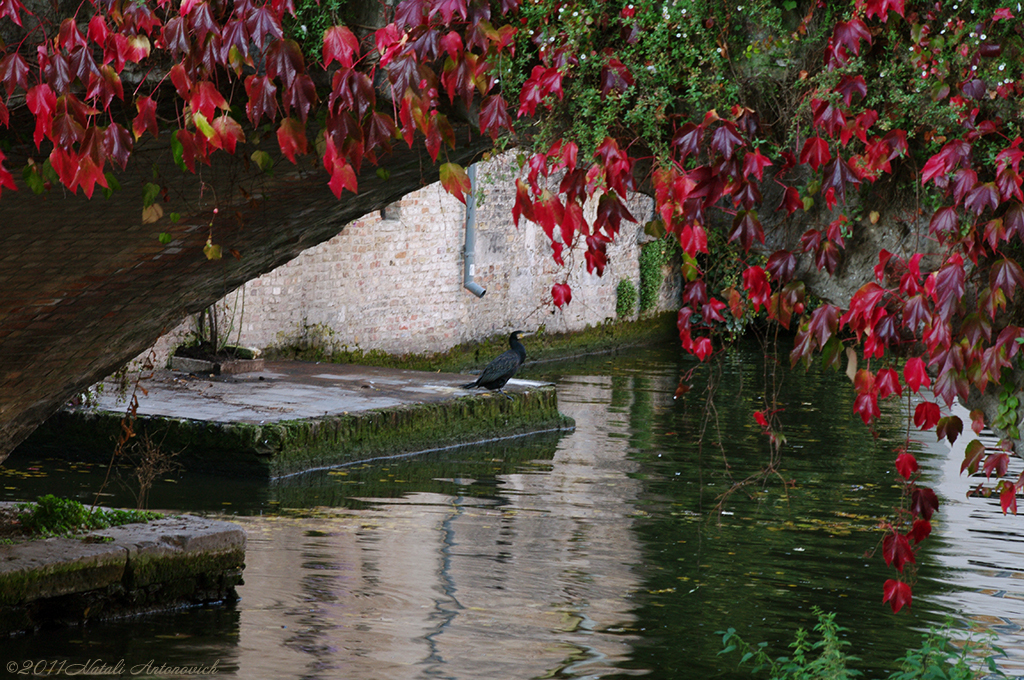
{"points": [[897, 594], [896, 550]]}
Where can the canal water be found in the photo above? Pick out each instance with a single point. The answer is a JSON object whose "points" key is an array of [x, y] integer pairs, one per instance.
{"points": [[617, 550]]}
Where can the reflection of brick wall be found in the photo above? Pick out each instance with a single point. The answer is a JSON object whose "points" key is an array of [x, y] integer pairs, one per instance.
{"points": [[395, 284]]}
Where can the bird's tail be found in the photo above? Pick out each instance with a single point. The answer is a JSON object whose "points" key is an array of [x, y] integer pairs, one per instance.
{"points": [[469, 385]]}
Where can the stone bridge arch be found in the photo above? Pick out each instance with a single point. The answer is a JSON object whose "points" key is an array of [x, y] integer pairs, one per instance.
{"points": [[86, 285]]}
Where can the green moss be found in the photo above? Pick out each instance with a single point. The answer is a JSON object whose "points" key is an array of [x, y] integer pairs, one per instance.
{"points": [[335, 440], [314, 343], [147, 569]]}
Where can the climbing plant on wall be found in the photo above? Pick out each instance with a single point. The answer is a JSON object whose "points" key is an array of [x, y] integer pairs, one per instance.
{"points": [[742, 120]]}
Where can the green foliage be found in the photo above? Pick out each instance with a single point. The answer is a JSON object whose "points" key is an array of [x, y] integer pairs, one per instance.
{"points": [[938, 657], [653, 256], [625, 299], [53, 516], [826, 659], [1007, 417]]}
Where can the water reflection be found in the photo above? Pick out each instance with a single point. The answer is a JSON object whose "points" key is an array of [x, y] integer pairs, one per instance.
{"points": [[603, 553]]}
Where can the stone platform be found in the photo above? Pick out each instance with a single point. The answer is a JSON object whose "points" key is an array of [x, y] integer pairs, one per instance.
{"points": [[120, 571], [297, 416]]}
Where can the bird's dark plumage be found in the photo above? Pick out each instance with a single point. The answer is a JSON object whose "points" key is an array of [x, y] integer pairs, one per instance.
{"points": [[501, 370]]}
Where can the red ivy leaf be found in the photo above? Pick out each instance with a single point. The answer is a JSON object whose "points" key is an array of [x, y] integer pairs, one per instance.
{"points": [[291, 137], [997, 463], [494, 115], [146, 120], [746, 228], [14, 72], [923, 502], [791, 201], [11, 9], [262, 98], [561, 293], [1008, 498], [687, 139], [340, 45], [977, 421], [754, 163], [815, 152], [945, 222], [973, 454], [981, 196], [921, 530], [615, 77], [1006, 275], [906, 464], [726, 139], [927, 414], [117, 144], [6, 180], [896, 550], [888, 382], [897, 594], [756, 284], [455, 180], [781, 265]]}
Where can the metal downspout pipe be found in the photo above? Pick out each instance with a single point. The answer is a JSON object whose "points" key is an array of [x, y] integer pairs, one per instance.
{"points": [[469, 250]]}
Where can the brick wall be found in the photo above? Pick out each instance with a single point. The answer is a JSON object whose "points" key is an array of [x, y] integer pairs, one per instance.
{"points": [[393, 281]]}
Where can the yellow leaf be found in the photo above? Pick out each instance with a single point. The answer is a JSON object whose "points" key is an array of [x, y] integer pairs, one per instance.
{"points": [[203, 125], [873, 216], [211, 251], [152, 214]]}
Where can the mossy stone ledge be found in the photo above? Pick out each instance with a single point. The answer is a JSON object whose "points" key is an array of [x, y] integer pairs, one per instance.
{"points": [[242, 426], [121, 571]]}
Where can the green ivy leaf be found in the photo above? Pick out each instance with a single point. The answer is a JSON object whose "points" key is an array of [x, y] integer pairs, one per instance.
{"points": [[112, 185], [149, 193], [165, 238], [178, 152], [262, 160]]}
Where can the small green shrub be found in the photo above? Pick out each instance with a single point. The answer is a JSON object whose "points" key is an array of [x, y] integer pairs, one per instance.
{"points": [[625, 299], [653, 256], [53, 516], [826, 659]]}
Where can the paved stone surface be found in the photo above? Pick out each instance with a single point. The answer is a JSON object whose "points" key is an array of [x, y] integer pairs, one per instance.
{"points": [[290, 390]]}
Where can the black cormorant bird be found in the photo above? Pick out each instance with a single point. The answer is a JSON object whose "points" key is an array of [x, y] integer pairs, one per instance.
{"points": [[501, 370]]}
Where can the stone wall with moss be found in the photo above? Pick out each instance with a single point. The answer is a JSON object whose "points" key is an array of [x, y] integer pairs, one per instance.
{"points": [[392, 281]]}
